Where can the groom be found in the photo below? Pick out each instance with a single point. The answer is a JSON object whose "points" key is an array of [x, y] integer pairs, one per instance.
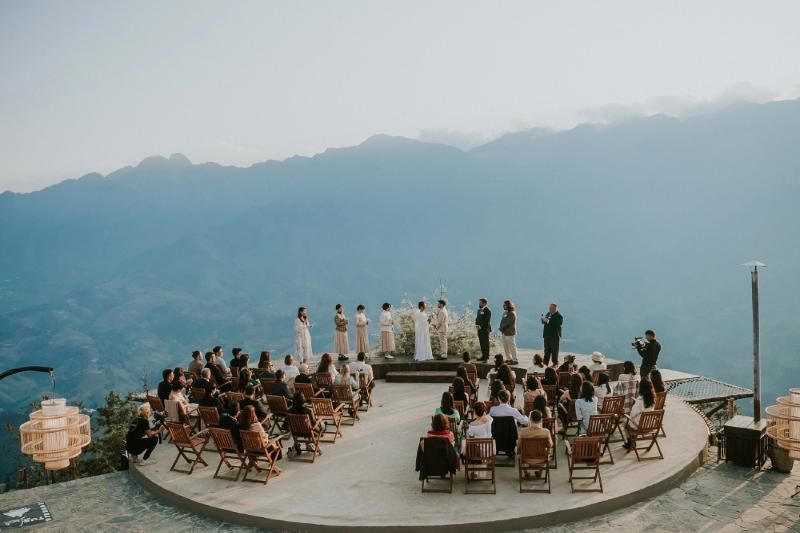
{"points": [[483, 322]]}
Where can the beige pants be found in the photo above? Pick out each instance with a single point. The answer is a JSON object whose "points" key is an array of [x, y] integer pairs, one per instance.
{"points": [[442, 345], [510, 346]]}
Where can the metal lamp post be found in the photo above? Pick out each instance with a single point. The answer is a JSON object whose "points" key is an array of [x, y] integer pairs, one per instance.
{"points": [[753, 266]]}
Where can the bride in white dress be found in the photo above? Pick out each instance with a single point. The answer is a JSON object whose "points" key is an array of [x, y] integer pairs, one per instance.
{"points": [[422, 337]]}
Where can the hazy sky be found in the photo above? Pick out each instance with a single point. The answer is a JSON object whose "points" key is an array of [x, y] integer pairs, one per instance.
{"points": [[92, 86]]}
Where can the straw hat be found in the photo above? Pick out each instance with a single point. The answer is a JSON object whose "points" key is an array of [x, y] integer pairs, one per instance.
{"points": [[598, 357]]}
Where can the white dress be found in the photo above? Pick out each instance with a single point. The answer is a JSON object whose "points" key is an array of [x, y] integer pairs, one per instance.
{"points": [[302, 340], [422, 337]]}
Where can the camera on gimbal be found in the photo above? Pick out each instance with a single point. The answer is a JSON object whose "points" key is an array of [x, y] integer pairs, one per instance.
{"points": [[638, 343]]}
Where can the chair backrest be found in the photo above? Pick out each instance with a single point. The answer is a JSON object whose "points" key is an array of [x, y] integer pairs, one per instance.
{"points": [[596, 376], [174, 411], [209, 415], [534, 449], [179, 434], [571, 410], [253, 442], [155, 403], [550, 391], [527, 406], [613, 405], [600, 425], [550, 424], [362, 381], [586, 449], [265, 383], [479, 449], [277, 404], [223, 439], [563, 379], [323, 380], [661, 399], [306, 388], [235, 382], [650, 421], [472, 376], [435, 453], [198, 393], [299, 424], [235, 396], [460, 407], [453, 425], [322, 407], [342, 393]]}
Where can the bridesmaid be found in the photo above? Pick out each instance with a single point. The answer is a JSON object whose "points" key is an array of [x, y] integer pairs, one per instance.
{"points": [[387, 331], [340, 343], [362, 332]]}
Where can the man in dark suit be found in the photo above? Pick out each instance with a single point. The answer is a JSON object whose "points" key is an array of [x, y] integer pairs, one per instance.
{"points": [[552, 334], [649, 351], [279, 388], [260, 408], [483, 321]]}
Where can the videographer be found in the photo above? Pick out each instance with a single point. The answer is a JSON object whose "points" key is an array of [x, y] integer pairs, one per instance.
{"points": [[141, 438], [649, 348]]}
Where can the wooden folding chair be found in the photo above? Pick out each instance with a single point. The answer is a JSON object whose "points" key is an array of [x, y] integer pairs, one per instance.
{"points": [[364, 392], [479, 457], [197, 394], [563, 379], [265, 383], [584, 454], [596, 376], [602, 426], [156, 404], [461, 408], [648, 428], [323, 380], [534, 456], [614, 405], [260, 450], [455, 427], [279, 409], [661, 400], [527, 406], [228, 451], [186, 445], [571, 418], [303, 434], [551, 425], [472, 377], [235, 382], [343, 395], [550, 391], [326, 412], [308, 391], [235, 396], [435, 464]]}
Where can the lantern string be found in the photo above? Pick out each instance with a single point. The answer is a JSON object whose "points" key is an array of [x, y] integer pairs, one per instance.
{"points": [[53, 383]]}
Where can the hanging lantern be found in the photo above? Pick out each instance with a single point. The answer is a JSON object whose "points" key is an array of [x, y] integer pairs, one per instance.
{"points": [[785, 423], [55, 434]]}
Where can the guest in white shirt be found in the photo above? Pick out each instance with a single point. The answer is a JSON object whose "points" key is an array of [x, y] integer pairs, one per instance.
{"points": [[538, 365], [480, 427], [289, 370], [598, 362], [387, 345], [603, 388], [585, 406], [645, 402], [504, 409], [361, 367]]}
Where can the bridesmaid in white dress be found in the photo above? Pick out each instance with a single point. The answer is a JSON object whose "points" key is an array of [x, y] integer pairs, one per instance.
{"points": [[302, 336], [362, 332], [422, 337]]}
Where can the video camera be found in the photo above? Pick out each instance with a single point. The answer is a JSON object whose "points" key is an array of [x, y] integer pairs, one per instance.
{"points": [[638, 343]]}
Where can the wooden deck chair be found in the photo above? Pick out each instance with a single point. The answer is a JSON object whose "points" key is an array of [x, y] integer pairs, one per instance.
{"points": [[550, 391], [661, 400], [235, 396], [472, 377], [235, 382], [596, 376], [461, 408], [279, 409], [614, 405], [265, 383], [364, 392], [551, 425], [323, 380], [187, 445], [156, 404], [209, 416], [343, 395], [436, 461], [602, 426], [303, 434], [648, 430], [308, 391], [197, 394], [228, 451], [584, 454], [527, 406], [261, 450], [325, 411], [534, 456], [563, 379], [479, 458], [571, 418]]}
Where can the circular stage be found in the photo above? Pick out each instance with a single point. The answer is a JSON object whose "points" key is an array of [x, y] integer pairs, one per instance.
{"points": [[367, 479]]}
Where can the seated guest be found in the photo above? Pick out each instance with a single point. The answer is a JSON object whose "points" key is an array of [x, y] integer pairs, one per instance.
{"points": [[494, 391], [645, 402], [573, 392], [279, 387], [538, 365], [165, 387], [176, 394], [179, 375], [508, 377], [303, 376], [460, 391], [196, 364], [212, 400], [263, 360], [235, 361], [204, 382], [447, 408], [535, 430], [585, 406], [603, 388], [246, 378], [498, 362], [289, 370], [657, 381], [219, 360], [141, 437], [598, 362], [326, 365], [461, 373], [627, 385], [568, 365], [534, 386], [257, 404], [248, 421], [481, 426], [504, 409], [299, 408], [219, 378], [244, 361], [466, 365], [268, 372], [344, 378], [540, 404], [550, 376], [360, 366], [586, 373], [440, 427], [229, 420]]}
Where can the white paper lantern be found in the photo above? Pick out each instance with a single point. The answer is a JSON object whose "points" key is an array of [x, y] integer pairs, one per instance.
{"points": [[785, 423]]}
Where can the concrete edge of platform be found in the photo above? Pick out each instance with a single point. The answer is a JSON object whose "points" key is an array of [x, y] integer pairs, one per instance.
{"points": [[524, 522]]}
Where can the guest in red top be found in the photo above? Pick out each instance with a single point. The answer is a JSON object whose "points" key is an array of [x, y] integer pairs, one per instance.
{"points": [[440, 427]]}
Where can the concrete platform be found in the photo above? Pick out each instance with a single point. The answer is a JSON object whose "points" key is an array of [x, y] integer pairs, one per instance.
{"points": [[421, 376], [367, 479]]}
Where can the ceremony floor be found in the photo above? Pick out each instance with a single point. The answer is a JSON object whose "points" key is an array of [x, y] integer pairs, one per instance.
{"points": [[367, 479]]}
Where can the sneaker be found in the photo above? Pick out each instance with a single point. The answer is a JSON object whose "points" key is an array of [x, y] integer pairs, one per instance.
{"points": [[388, 356], [343, 357], [146, 462]]}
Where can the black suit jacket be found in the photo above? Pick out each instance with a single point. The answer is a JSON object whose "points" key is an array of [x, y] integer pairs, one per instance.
{"points": [[483, 319], [552, 330]]}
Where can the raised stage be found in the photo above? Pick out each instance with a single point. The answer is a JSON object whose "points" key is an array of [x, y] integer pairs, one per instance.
{"points": [[367, 479]]}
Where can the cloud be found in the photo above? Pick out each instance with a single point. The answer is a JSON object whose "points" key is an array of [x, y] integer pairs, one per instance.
{"points": [[679, 106]]}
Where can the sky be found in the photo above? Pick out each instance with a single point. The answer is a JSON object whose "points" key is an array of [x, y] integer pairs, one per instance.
{"points": [[94, 86]]}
